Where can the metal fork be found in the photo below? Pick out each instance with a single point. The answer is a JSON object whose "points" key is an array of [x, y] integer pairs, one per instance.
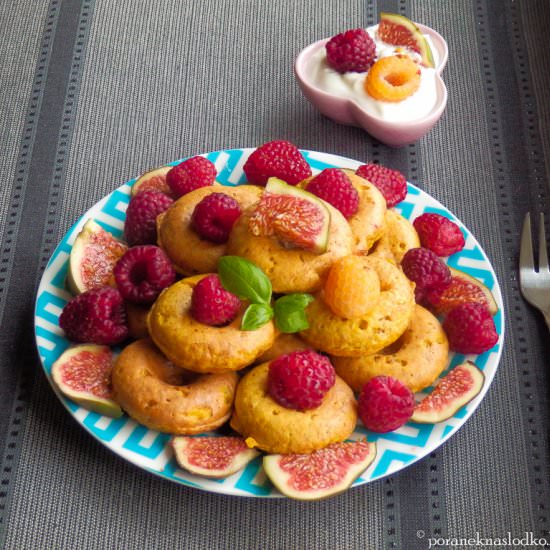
{"points": [[535, 285]]}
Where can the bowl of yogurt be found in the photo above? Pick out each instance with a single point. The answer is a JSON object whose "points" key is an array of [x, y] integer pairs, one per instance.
{"points": [[342, 96]]}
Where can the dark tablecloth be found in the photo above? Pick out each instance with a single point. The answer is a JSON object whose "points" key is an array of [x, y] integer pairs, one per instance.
{"points": [[96, 92]]}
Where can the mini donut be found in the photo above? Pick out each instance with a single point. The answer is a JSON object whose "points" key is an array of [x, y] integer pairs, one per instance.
{"points": [[393, 78], [198, 347], [291, 269], [190, 253], [416, 359], [381, 326], [276, 429], [399, 236], [163, 397], [367, 224]]}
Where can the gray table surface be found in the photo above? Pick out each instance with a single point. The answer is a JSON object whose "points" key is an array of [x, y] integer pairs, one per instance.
{"points": [[94, 92]]}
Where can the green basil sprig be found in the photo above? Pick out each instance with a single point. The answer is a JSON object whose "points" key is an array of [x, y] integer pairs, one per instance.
{"points": [[246, 280]]}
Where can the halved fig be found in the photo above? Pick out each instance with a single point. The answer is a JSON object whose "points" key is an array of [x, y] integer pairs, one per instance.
{"points": [[463, 288], [83, 374], [452, 392], [295, 216], [93, 256], [322, 473], [153, 180], [212, 456]]}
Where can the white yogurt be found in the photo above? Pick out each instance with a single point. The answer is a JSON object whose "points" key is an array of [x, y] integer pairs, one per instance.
{"points": [[351, 85]]}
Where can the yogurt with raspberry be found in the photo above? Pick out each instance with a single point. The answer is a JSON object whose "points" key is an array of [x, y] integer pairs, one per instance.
{"points": [[351, 84]]}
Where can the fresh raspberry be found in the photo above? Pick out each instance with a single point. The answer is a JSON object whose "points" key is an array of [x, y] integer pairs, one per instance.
{"points": [[140, 226], [334, 186], [95, 317], [214, 216], [351, 51], [470, 328], [426, 270], [191, 174], [391, 183], [439, 234], [211, 304], [299, 380], [142, 273], [280, 159], [385, 404]]}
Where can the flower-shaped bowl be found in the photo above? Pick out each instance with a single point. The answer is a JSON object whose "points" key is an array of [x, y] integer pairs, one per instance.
{"points": [[349, 112]]}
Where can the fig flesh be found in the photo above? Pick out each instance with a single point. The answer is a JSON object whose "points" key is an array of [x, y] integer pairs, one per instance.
{"points": [[83, 373], [153, 180], [93, 256], [322, 473], [212, 456], [295, 216], [452, 392]]}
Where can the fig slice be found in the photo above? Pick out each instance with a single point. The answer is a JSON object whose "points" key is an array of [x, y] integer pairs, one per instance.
{"points": [[398, 30], [296, 217], [212, 456], [453, 391], [463, 288], [83, 373], [322, 473], [93, 256], [153, 180]]}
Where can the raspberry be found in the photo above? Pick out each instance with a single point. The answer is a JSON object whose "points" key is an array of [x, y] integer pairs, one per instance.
{"points": [[280, 159], [439, 234], [385, 404], [299, 380], [96, 316], [142, 273], [214, 216], [351, 51], [391, 183], [211, 304], [470, 328], [191, 174], [140, 226], [426, 270], [352, 287], [335, 187]]}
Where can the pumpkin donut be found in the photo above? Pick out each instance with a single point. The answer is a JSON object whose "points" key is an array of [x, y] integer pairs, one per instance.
{"points": [[291, 269], [417, 358], [399, 236], [384, 323], [283, 344], [163, 397], [197, 347], [276, 429], [190, 253]]}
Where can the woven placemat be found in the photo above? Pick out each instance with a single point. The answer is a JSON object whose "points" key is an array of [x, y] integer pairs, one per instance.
{"points": [[102, 91]]}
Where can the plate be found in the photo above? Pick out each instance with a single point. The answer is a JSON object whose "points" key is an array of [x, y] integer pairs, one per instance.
{"points": [[150, 450]]}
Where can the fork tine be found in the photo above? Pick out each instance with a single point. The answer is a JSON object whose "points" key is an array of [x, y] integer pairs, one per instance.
{"points": [[543, 255], [526, 260]]}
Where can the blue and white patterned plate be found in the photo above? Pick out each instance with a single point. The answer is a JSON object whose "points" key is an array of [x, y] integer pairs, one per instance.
{"points": [[149, 449]]}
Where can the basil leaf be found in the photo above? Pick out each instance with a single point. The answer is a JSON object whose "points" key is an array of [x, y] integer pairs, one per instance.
{"points": [[290, 315], [245, 279], [256, 316]]}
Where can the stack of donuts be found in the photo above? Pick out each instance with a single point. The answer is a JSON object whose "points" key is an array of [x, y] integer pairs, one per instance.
{"points": [[181, 376]]}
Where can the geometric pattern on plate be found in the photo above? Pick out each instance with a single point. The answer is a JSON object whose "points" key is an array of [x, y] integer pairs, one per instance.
{"points": [[151, 450]]}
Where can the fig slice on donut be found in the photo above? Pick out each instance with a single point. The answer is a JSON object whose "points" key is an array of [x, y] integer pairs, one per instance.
{"points": [[212, 456], [83, 374], [322, 473], [453, 391]]}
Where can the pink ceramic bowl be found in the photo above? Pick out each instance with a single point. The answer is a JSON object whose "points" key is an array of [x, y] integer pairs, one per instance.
{"points": [[349, 112]]}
